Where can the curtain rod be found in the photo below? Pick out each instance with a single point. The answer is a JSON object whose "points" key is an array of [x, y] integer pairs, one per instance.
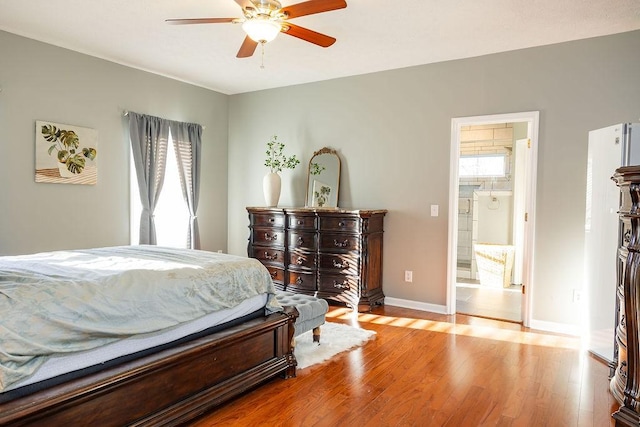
{"points": [[125, 113]]}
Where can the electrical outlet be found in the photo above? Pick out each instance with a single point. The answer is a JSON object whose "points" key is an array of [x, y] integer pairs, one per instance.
{"points": [[577, 295], [408, 276], [434, 210]]}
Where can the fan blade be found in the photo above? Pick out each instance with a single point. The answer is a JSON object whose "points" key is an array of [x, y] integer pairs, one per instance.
{"points": [[199, 21], [247, 48], [312, 6], [309, 35]]}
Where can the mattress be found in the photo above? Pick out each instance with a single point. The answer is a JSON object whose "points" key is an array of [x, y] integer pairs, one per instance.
{"points": [[60, 365]]}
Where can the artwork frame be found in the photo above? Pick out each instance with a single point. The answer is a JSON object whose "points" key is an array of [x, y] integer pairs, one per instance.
{"points": [[65, 154], [321, 194]]}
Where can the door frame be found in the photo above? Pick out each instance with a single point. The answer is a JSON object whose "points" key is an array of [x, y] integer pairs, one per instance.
{"points": [[532, 118]]}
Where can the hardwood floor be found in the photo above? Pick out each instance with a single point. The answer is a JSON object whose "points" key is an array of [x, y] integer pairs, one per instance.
{"points": [[426, 369]]}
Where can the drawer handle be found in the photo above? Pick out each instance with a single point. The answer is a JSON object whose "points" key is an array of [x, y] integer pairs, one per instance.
{"points": [[341, 224], [337, 264], [299, 281], [627, 236], [340, 285], [340, 244], [300, 261], [268, 236], [300, 222], [270, 257], [300, 240], [272, 220]]}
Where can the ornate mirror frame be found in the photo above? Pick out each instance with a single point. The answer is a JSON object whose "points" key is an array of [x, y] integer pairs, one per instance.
{"points": [[323, 179]]}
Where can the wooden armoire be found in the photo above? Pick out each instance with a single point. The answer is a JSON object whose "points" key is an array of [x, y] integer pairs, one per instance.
{"points": [[625, 384]]}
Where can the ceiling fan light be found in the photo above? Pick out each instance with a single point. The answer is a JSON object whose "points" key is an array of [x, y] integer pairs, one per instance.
{"points": [[261, 30]]}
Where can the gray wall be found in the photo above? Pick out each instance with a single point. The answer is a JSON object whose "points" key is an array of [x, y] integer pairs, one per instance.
{"points": [[393, 132], [43, 82]]}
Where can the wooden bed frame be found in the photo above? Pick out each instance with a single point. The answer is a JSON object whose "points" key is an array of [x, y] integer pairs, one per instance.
{"points": [[169, 387]]}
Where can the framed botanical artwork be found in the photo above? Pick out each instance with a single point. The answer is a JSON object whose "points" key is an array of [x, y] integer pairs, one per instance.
{"points": [[321, 194], [66, 154]]}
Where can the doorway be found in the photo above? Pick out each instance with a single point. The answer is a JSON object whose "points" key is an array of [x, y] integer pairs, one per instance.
{"points": [[491, 215]]}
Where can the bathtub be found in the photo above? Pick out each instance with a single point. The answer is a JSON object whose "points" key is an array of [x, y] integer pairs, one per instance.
{"points": [[494, 263]]}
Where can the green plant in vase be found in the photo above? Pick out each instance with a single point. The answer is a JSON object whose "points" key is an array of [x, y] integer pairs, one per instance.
{"points": [[276, 161], [66, 144]]}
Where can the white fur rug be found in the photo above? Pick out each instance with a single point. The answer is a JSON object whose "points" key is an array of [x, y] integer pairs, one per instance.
{"points": [[334, 338]]}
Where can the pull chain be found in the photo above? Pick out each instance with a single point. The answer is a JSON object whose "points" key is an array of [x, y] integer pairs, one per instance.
{"points": [[262, 55]]}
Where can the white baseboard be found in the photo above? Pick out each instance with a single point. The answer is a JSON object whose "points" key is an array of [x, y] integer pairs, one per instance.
{"points": [[416, 305], [559, 328]]}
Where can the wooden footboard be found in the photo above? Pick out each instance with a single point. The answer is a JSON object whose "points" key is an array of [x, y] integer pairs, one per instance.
{"points": [[169, 387]]}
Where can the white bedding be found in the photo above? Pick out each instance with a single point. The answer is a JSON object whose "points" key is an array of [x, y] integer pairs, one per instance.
{"points": [[66, 363], [73, 301]]}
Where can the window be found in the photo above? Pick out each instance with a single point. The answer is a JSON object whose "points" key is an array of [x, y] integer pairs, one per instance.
{"points": [[171, 214], [490, 165]]}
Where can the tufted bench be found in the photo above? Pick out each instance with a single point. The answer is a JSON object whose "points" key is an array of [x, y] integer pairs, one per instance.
{"points": [[312, 311]]}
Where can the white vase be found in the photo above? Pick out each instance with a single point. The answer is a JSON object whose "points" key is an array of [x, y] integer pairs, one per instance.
{"points": [[271, 186], [64, 171]]}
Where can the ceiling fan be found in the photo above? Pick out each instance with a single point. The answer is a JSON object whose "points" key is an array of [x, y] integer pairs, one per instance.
{"points": [[264, 19]]}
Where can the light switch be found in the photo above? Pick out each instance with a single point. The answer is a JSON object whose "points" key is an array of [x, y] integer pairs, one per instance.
{"points": [[434, 210]]}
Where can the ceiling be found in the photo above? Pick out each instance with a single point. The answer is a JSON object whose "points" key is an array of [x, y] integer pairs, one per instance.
{"points": [[372, 35]]}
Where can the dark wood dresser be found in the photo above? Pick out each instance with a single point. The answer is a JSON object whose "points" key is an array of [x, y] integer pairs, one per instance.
{"points": [[333, 254], [625, 384]]}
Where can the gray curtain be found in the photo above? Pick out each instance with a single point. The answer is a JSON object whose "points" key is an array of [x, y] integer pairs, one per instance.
{"points": [[187, 142], [149, 137]]}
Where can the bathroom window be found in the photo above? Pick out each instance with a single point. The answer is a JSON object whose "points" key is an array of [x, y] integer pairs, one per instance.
{"points": [[489, 165]]}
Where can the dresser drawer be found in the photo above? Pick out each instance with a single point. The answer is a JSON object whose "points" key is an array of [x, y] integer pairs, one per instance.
{"points": [[304, 222], [302, 259], [277, 274], [267, 219], [337, 283], [620, 377], [336, 223], [338, 263], [339, 242], [301, 281], [268, 255], [302, 240], [267, 236]]}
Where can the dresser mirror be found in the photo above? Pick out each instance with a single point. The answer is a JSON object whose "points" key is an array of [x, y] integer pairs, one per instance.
{"points": [[323, 179]]}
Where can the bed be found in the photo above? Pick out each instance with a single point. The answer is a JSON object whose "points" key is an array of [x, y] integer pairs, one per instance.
{"points": [[135, 335]]}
